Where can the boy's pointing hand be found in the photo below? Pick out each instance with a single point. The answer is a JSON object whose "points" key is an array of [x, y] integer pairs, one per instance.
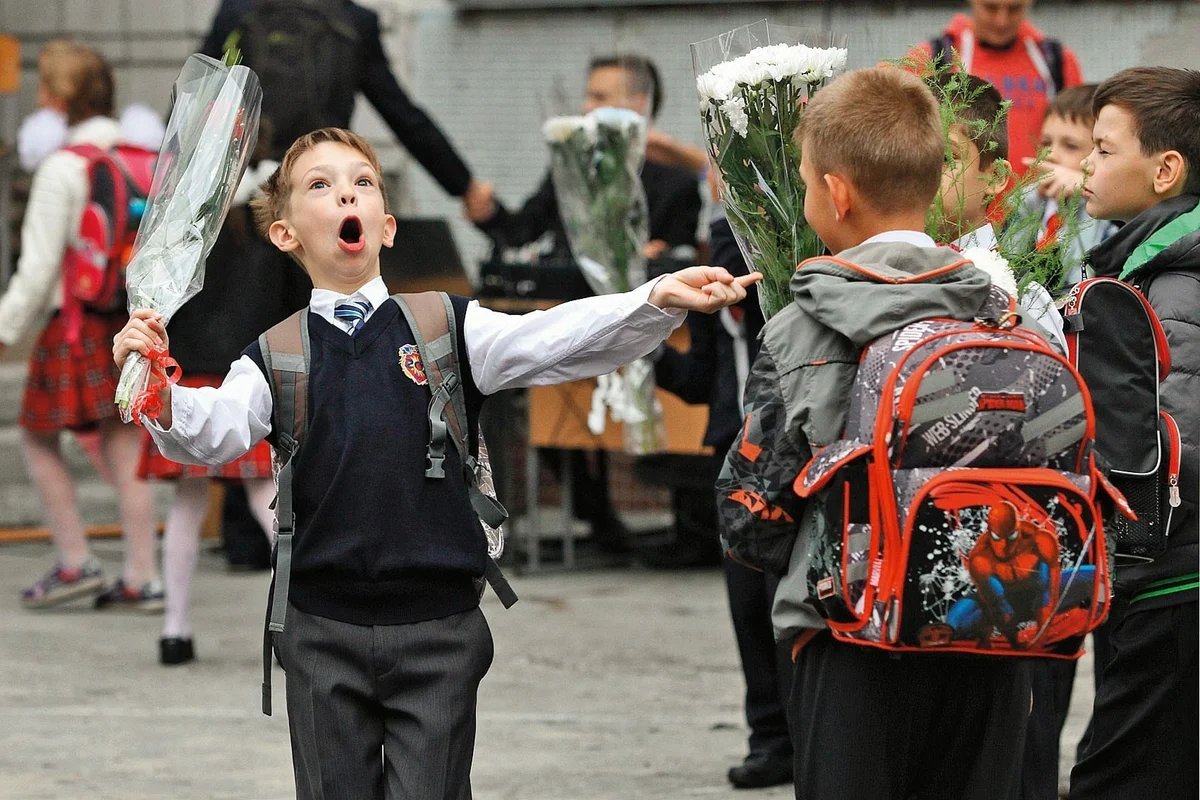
{"points": [[706, 289]]}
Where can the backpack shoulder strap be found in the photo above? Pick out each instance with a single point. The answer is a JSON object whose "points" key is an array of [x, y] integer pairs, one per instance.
{"points": [[431, 318], [430, 315], [1052, 52], [286, 355], [939, 51]]}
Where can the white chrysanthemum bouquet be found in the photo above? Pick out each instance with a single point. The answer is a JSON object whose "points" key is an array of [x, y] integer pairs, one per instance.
{"points": [[753, 84], [596, 163]]}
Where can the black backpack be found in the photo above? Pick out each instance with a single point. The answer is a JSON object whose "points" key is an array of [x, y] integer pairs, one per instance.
{"points": [[306, 54], [1051, 49], [1117, 343]]}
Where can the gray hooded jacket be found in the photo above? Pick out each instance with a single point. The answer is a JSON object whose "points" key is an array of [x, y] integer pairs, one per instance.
{"points": [[798, 394]]}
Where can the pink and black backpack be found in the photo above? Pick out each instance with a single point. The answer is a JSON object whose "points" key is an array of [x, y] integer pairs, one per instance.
{"points": [[95, 259]]}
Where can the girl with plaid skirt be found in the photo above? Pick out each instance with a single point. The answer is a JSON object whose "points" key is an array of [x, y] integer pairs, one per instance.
{"points": [[70, 386], [248, 287]]}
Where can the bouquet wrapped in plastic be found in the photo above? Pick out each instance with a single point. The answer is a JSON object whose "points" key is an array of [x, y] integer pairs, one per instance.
{"points": [[210, 136], [595, 163], [753, 83]]}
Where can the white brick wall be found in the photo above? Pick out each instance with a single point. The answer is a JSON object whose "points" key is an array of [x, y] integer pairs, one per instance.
{"points": [[490, 77]]}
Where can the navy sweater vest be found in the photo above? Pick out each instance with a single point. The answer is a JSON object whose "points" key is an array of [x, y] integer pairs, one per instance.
{"points": [[376, 542]]}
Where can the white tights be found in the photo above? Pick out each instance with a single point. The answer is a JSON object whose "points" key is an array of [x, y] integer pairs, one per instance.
{"points": [[181, 543]]}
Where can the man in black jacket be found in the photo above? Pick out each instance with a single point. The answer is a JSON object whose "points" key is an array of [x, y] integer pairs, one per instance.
{"points": [[673, 202], [366, 70], [672, 194]]}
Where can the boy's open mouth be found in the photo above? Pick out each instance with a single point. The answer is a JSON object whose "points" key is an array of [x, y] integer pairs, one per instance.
{"points": [[350, 236]]}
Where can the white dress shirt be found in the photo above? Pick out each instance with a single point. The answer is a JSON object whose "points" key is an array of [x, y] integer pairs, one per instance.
{"points": [[580, 339]]}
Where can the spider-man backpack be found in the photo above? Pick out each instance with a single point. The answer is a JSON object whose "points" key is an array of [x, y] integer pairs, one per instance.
{"points": [[961, 510], [94, 262]]}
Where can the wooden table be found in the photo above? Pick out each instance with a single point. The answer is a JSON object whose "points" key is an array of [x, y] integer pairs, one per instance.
{"points": [[557, 418]]}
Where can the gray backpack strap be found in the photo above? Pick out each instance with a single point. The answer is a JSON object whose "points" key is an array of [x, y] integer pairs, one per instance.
{"points": [[285, 351], [430, 316]]}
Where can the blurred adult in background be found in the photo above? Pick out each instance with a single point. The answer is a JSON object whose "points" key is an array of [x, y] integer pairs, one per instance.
{"points": [[672, 193], [673, 202], [314, 57], [998, 43]]}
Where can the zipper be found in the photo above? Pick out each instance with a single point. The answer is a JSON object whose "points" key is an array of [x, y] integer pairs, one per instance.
{"points": [[1176, 458]]}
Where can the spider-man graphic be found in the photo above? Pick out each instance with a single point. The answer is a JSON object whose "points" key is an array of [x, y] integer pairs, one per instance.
{"points": [[1014, 567]]}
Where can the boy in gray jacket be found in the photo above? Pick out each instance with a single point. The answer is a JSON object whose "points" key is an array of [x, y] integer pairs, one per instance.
{"points": [[865, 723]]}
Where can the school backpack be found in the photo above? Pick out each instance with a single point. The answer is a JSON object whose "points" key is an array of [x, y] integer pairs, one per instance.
{"points": [[1117, 343], [285, 351], [960, 512], [306, 55], [94, 261], [1049, 50]]}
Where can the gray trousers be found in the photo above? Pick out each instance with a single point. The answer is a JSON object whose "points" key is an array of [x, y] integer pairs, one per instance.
{"points": [[385, 711]]}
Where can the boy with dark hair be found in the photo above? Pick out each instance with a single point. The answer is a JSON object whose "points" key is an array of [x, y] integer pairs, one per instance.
{"points": [[865, 723], [1144, 171], [384, 643]]}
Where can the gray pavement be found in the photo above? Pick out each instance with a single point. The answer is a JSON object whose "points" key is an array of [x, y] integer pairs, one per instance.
{"points": [[606, 684]]}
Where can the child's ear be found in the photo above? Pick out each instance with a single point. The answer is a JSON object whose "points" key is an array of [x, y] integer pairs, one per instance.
{"points": [[1170, 173], [998, 174], [839, 195], [282, 236], [389, 230]]}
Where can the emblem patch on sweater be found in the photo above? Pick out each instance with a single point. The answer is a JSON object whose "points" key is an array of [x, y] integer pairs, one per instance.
{"points": [[410, 362]]}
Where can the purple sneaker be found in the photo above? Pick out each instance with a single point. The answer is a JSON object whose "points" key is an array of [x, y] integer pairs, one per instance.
{"points": [[61, 584]]}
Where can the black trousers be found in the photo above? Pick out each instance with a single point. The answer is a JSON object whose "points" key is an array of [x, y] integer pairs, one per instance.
{"points": [[869, 725], [1052, 681], [383, 711], [766, 665], [1144, 739]]}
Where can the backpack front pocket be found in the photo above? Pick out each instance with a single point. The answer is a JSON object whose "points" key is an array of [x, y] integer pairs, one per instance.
{"points": [[996, 560]]}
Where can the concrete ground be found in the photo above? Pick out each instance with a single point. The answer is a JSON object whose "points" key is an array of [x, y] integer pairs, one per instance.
{"points": [[607, 684]]}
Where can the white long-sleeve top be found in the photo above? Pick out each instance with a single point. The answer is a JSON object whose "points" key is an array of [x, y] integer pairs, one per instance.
{"points": [[56, 200], [580, 339]]}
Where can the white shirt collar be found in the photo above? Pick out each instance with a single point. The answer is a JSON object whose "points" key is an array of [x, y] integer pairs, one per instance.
{"points": [[918, 238], [983, 237], [323, 301]]}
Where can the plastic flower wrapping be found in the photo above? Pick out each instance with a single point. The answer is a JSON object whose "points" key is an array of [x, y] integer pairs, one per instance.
{"points": [[210, 136], [753, 83], [596, 163]]}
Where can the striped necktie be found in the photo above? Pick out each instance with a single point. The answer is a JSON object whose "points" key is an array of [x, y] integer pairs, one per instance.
{"points": [[353, 314]]}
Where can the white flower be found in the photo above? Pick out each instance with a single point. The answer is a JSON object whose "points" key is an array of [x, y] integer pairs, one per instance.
{"points": [[995, 265], [558, 130], [717, 84], [734, 110], [621, 119]]}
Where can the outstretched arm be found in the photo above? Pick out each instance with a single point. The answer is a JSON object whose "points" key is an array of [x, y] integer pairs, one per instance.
{"points": [[591, 336]]}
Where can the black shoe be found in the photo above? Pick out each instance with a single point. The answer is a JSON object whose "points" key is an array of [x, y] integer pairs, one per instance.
{"points": [[174, 650], [760, 770]]}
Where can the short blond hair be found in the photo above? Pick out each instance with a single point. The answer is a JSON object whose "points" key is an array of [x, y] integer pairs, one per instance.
{"points": [[78, 76], [880, 128], [271, 204]]}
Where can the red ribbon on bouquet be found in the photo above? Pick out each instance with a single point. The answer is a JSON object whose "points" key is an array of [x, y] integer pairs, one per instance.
{"points": [[164, 371]]}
